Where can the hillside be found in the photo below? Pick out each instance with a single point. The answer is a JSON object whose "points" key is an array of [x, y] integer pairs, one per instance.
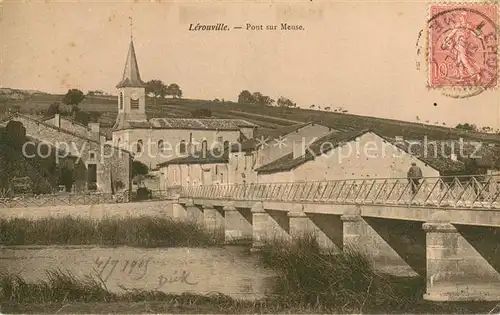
{"points": [[35, 103]]}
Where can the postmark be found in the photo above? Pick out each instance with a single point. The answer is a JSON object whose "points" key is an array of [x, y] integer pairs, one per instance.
{"points": [[462, 54]]}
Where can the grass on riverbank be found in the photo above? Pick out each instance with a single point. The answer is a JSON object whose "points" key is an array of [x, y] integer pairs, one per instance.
{"points": [[141, 232], [328, 279], [309, 281]]}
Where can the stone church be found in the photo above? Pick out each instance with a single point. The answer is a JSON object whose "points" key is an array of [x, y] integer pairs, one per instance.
{"points": [[158, 140]]}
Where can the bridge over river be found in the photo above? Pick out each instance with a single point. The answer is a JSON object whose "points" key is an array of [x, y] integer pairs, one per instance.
{"points": [[445, 228]]}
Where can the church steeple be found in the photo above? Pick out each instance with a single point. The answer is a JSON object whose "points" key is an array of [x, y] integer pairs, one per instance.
{"points": [[131, 76], [131, 94]]}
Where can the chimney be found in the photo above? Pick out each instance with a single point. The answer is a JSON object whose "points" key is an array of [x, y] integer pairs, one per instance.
{"points": [[95, 130], [298, 150], [57, 120]]}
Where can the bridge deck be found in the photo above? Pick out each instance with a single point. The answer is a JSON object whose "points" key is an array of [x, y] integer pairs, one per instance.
{"points": [[481, 192]]}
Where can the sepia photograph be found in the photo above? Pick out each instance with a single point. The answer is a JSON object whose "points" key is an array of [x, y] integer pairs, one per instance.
{"points": [[249, 157]]}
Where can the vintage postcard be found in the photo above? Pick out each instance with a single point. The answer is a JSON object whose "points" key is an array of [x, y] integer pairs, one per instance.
{"points": [[213, 156]]}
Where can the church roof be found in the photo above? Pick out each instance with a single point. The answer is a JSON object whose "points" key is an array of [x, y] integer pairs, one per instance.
{"points": [[183, 123], [131, 75]]}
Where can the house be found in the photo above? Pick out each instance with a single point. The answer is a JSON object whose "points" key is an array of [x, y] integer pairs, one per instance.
{"points": [[237, 163], [364, 154], [87, 162], [157, 140], [196, 170], [91, 131], [268, 146]]}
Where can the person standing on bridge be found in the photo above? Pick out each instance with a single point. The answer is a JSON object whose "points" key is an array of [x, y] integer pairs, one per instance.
{"points": [[414, 176]]}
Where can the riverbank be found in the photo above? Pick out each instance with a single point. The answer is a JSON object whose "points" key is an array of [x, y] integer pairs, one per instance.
{"points": [[309, 280]]}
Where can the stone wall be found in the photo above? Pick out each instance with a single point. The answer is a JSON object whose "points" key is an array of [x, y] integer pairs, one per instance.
{"points": [[112, 163], [96, 211]]}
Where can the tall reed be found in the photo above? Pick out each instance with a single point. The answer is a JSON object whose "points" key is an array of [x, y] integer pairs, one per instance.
{"points": [[141, 231]]}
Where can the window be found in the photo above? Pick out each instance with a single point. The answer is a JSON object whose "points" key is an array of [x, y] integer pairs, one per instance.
{"points": [[139, 146], [226, 146], [204, 147], [214, 173], [118, 142], [92, 155], [134, 104], [160, 146], [190, 137], [220, 139], [182, 147], [120, 101]]}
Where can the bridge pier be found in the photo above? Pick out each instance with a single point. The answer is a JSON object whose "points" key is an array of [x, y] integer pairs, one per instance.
{"points": [[213, 220], [325, 229], [193, 212], [238, 223], [379, 246], [178, 210], [456, 271], [268, 225]]}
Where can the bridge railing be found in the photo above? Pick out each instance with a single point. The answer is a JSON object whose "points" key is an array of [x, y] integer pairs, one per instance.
{"points": [[457, 191]]}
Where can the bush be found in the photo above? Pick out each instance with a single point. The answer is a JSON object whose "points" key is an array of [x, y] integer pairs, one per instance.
{"points": [[139, 168], [201, 113], [142, 232], [143, 193]]}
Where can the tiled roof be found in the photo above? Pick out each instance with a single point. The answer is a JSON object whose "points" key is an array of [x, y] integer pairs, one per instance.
{"points": [[438, 153], [486, 157], [287, 162], [188, 123], [44, 119], [131, 76], [270, 134], [59, 130], [199, 158], [197, 123]]}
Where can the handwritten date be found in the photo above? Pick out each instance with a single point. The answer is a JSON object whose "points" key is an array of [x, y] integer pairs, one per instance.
{"points": [[136, 269]]}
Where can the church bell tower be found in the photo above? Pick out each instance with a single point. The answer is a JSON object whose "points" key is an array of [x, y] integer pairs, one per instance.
{"points": [[131, 93]]}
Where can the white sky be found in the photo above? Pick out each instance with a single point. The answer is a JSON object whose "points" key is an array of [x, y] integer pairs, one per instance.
{"points": [[358, 55]]}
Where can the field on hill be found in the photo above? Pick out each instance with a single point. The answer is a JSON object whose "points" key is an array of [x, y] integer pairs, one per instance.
{"points": [[264, 116]]}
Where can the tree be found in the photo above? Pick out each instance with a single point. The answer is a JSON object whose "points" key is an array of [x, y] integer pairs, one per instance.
{"points": [[139, 168], [245, 97], [95, 116], [53, 109], [14, 134], [486, 129], [201, 113], [175, 90], [312, 106], [328, 108], [466, 126], [156, 89], [257, 97], [73, 97], [82, 117], [285, 102]]}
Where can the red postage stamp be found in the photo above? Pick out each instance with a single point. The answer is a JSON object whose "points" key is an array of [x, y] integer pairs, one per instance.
{"points": [[463, 45]]}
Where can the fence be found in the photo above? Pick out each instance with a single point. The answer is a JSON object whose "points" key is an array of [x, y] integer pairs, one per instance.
{"points": [[41, 200], [30, 200], [457, 191]]}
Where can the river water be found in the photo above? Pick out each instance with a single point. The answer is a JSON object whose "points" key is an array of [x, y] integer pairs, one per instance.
{"points": [[229, 270]]}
